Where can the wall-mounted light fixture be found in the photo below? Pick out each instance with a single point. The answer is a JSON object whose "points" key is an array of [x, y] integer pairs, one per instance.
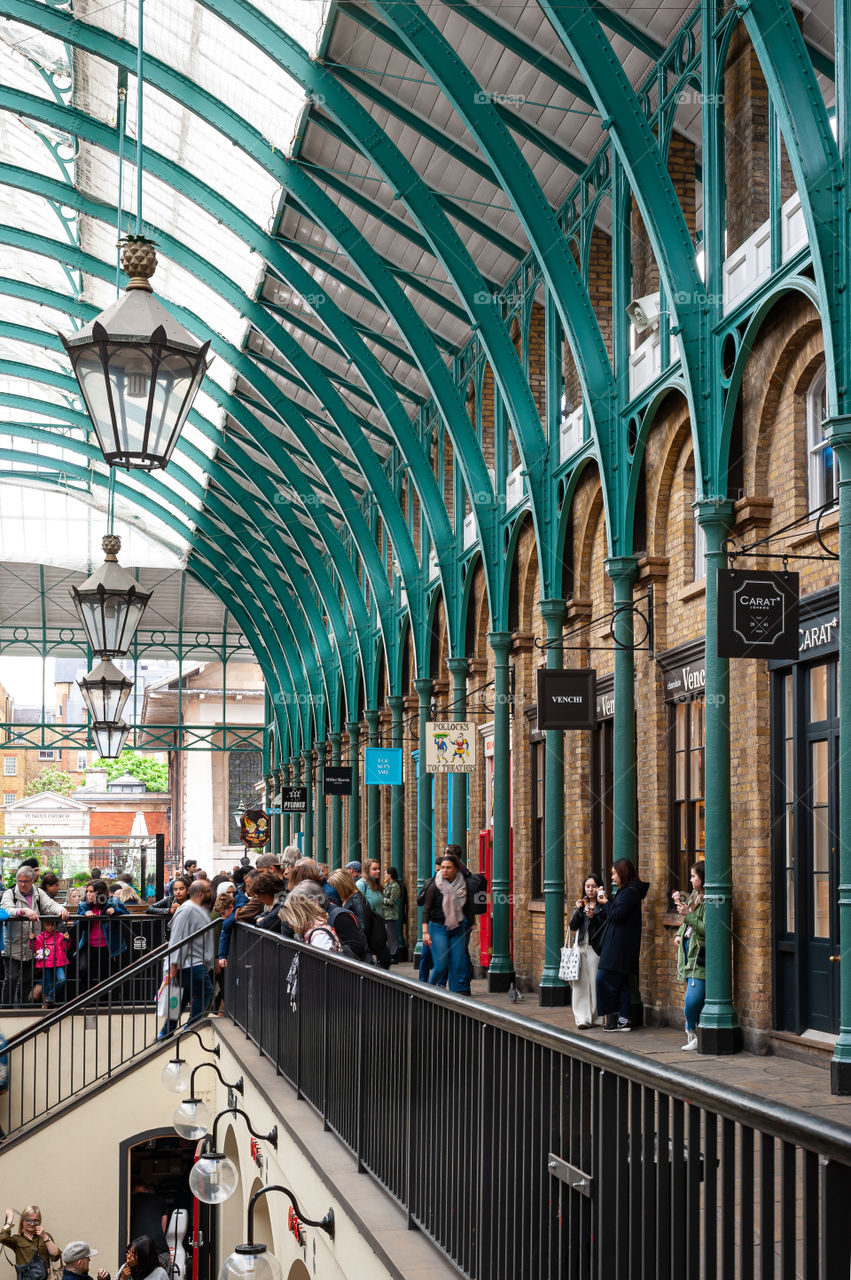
{"points": [[193, 1118], [214, 1177], [175, 1075], [254, 1260]]}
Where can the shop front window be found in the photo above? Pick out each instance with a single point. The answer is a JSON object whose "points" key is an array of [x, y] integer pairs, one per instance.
{"points": [[822, 461], [687, 790], [538, 748]]}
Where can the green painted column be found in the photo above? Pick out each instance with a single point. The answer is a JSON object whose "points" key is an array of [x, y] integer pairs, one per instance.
{"points": [[320, 841], [552, 991], [840, 1067], [286, 818], [307, 757], [623, 571], [354, 854], [397, 794], [459, 667], [718, 1030], [336, 809], [373, 795], [501, 967], [425, 815]]}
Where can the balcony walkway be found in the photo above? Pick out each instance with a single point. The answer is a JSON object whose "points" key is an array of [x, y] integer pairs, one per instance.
{"points": [[770, 1077]]}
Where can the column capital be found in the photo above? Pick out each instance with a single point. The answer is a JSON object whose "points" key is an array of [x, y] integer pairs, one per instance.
{"points": [[352, 728], [500, 642], [424, 686], [335, 738], [396, 703], [371, 717], [837, 428], [554, 613], [622, 569], [714, 511], [458, 666]]}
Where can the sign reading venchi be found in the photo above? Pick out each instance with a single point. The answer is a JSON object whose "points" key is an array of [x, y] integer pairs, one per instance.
{"points": [[567, 699], [757, 614]]}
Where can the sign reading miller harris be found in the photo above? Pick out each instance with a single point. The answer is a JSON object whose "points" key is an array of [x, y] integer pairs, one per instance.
{"points": [[567, 699], [757, 614]]}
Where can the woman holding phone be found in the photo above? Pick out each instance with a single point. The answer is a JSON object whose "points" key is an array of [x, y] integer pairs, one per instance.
{"points": [[621, 944], [691, 952], [587, 925]]}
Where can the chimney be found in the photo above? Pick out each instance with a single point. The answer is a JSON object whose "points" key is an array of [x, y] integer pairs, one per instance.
{"points": [[96, 780]]}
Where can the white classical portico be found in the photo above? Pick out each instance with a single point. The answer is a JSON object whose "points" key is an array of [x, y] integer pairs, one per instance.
{"points": [[48, 816]]}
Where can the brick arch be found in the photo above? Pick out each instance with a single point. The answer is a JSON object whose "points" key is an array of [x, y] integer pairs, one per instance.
{"points": [[529, 575], [659, 498], [774, 394], [587, 537], [484, 616]]}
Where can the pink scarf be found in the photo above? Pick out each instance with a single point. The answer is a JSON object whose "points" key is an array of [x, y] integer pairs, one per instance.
{"points": [[454, 894]]}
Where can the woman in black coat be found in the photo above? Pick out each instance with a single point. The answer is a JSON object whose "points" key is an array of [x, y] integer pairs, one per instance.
{"points": [[621, 944]]}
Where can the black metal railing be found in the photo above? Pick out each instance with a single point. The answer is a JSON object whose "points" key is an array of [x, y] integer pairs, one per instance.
{"points": [[32, 977], [524, 1151], [88, 1041]]}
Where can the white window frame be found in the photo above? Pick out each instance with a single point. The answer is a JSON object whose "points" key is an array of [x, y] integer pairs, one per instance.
{"points": [[699, 550], [10, 772], [47, 754], [818, 446], [82, 756], [9, 797]]}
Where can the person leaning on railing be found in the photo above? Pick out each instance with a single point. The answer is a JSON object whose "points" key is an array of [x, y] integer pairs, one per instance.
{"points": [[101, 940], [191, 963], [31, 1241], [23, 903]]}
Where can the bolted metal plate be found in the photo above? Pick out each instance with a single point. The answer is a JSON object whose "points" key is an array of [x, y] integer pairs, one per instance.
{"points": [[575, 1178]]}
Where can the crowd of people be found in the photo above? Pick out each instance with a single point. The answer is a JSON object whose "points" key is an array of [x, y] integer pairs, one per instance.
{"points": [[48, 946], [32, 1249]]}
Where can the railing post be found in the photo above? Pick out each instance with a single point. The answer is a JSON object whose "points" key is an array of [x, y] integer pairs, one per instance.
{"points": [[413, 1005], [325, 1021], [361, 1075], [835, 1236]]}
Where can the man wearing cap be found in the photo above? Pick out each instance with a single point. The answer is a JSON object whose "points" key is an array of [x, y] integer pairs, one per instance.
{"points": [[354, 869], [75, 1260]]}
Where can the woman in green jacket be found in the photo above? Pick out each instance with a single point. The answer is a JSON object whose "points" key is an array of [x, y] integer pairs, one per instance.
{"points": [[391, 909], [691, 951], [31, 1241]]}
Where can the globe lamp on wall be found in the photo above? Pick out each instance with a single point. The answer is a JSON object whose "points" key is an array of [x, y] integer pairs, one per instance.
{"points": [[109, 604], [175, 1076], [138, 369], [251, 1262], [213, 1178], [192, 1119]]}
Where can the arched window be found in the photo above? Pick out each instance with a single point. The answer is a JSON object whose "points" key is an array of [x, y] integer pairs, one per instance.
{"points": [[821, 460]]}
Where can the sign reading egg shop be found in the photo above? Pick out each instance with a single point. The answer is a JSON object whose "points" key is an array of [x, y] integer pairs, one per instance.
{"points": [[382, 766]]}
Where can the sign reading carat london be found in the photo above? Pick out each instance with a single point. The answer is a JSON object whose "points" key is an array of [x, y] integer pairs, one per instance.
{"points": [[567, 699], [757, 614], [382, 766]]}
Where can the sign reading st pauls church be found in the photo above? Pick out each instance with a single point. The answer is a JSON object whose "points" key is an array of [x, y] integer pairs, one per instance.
{"points": [[757, 614]]}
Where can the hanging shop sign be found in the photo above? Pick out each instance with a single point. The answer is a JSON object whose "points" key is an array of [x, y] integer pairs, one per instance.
{"points": [[382, 766], [450, 746], [294, 799], [254, 829], [757, 614], [338, 780], [567, 699]]}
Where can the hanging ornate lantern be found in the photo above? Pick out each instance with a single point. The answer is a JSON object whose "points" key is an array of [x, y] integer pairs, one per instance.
{"points": [[138, 368], [110, 737], [110, 604], [105, 690]]}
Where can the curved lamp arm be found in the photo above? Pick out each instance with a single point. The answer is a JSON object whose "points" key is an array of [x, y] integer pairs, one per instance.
{"points": [[325, 1224], [271, 1136], [216, 1050], [239, 1085]]}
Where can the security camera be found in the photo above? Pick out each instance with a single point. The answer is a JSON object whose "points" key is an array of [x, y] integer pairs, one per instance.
{"points": [[644, 312]]}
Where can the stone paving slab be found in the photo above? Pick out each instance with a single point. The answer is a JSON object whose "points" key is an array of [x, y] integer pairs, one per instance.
{"points": [[772, 1078]]}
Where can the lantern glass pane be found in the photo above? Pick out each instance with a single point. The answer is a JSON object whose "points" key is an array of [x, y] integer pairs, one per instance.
{"points": [[110, 739], [173, 383], [94, 386], [130, 372], [104, 700]]}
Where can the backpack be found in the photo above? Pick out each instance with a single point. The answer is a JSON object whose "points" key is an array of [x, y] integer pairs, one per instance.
{"points": [[336, 945], [376, 931], [477, 892]]}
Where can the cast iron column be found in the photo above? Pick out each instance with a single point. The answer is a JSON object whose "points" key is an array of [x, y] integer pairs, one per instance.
{"points": [[396, 703], [425, 814], [353, 730], [622, 570], [552, 991], [336, 810], [286, 818], [320, 840], [718, 1030], [308, 812], [501, 968], [458, 668], [840, 1065], [373, 796]]}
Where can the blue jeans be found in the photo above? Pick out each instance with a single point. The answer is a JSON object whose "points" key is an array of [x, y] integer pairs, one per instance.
{"points": [[695, 997], [52, 981], [448, 951], [197, 992]]}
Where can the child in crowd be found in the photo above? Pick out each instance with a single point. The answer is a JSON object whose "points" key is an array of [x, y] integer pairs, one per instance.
{"points": [[50, 948]]}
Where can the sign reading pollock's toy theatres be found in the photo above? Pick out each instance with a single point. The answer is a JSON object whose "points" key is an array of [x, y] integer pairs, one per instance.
{"points": [[294, 799], [338, 780], [757, 614], [567, 699], [254, 828], [450, 746]]}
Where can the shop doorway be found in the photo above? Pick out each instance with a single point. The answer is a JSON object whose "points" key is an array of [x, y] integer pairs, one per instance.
{"points": [[160, 1162], [806, 848]]}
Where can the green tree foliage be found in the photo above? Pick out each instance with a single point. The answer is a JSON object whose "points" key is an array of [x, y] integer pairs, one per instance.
{"points": [[147, 770], [51, 779]]}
